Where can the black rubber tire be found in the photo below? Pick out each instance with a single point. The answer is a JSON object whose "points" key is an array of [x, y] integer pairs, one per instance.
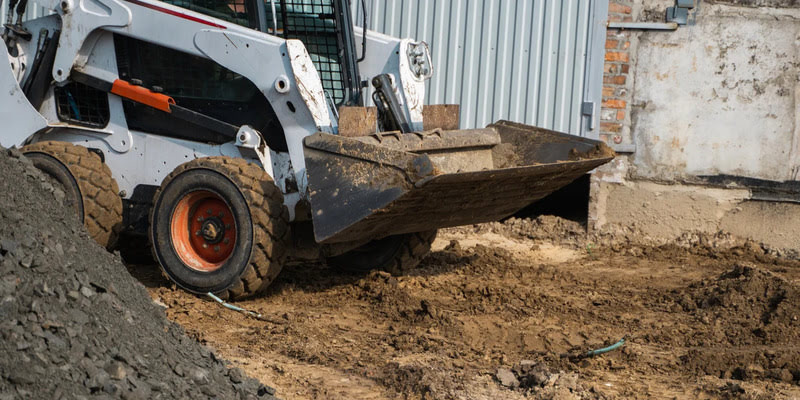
{"points": [[89, 187], [394, 254], [261, 221]]}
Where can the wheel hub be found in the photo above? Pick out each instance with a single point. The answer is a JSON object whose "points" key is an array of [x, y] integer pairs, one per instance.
{"points": [[213, 230], [203, 231]]}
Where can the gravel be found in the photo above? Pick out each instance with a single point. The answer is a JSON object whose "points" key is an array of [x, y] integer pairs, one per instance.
{"points": [[75, 324]]}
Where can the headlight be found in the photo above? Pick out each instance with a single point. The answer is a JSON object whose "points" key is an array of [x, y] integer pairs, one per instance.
{"points": [[419, 60]]}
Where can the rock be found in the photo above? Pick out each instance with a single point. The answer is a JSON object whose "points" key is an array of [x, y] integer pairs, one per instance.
{"points": [[98, 380], [116, 370], [236, 375], [754, 371], [14, 153], [199, 376], [786, 376], [87, 291], [8, 246], [507, 378]]}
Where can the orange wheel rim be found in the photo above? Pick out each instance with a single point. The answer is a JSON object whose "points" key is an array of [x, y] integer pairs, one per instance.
{"points": [[203, 231]]}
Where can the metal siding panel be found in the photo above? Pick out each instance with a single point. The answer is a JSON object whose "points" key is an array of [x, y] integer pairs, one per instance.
{"points": [[516, 59], [566, 63], [504, 65], [520, 63], [578, 73], [471, 65], [593, 75], [485, 78], [534, 77], [32, 12]]}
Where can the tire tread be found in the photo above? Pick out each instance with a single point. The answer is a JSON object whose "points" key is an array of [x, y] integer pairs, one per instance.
{"points": [[102, 205]]}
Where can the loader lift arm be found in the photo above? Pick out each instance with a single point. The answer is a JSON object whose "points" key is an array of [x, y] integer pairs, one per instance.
{"points": [[155, 100]]}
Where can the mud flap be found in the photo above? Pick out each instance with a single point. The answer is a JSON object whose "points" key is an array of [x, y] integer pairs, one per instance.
{"points": [[20, 119], [372, 187]]}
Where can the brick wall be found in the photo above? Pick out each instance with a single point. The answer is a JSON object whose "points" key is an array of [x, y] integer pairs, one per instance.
{"points": [[614, 115]]}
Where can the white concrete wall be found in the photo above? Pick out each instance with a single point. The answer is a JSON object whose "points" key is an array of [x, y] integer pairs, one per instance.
{"points": [[719, 97]]}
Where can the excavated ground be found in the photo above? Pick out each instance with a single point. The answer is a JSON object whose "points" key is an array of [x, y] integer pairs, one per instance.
{"points": [[501, 311]]}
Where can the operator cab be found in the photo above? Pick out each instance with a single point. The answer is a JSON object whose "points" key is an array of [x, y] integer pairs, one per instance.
{"points": [[324, 26]]}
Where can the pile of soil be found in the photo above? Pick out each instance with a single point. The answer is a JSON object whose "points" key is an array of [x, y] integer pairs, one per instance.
{"points": [[541, 382], [542, 228], [74, 322], [762, 307], [759, 309]]}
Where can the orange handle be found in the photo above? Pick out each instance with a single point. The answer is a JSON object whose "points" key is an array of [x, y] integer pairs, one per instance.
{"points": [[142, 95]]}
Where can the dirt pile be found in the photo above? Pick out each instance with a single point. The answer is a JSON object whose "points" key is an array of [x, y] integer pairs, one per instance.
{"points": [[762, 307], [540, 382], [745, 307], [75, 323], [541, 228]]}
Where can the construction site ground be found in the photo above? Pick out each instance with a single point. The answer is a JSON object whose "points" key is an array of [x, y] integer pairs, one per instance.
{"points": [[500, 311]]}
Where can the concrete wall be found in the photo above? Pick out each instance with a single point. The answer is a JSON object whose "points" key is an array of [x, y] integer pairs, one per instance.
{"points": [[718, 97]]}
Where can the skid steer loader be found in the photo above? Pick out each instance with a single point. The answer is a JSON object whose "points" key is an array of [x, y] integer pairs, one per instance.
{"points": [[236, 133]]}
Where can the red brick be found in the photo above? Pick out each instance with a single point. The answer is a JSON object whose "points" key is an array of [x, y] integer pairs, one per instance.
{"points": [[610, 68], [614, 103], [619, 18], [612, 44], [625, 68], [610, 127], [620, 115], [608, 91], [617, 56], [614, 80], [619, 8], [626, 45]]}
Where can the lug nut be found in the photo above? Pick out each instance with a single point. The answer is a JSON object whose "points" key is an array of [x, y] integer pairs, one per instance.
{"points": [[226, 241], [205, 245], [216, 249], [209, 211], [221, 214], [199, 219], [198, 233]]}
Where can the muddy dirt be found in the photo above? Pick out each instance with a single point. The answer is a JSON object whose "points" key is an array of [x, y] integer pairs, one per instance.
{"points": [[600, 150], [73, 321], [505, 310], [504, 155]]}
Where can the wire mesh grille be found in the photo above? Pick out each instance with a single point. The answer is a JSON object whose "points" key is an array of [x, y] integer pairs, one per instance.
{"points": [[179, 74], [314, 23], [82, 105]]}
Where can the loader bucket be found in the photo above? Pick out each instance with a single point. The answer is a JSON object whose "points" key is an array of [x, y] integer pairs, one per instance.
{"points": [[369, 187]]}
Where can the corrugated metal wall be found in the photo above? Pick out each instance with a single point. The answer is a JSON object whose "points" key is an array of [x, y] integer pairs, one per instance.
{"points": [[523, 60], [33, 11]]}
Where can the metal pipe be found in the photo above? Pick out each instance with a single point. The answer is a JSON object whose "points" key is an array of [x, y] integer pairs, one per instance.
{"points": [[274, 18], [364, 35], [647, 26]]}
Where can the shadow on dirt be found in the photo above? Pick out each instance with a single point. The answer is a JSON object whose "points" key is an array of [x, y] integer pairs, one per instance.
{"points": [[313, 277]]}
